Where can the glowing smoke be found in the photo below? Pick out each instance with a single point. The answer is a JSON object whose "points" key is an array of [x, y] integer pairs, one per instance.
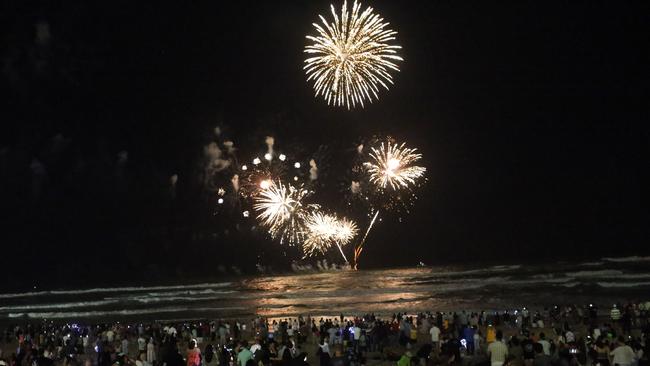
{"points": [[313, 170]]}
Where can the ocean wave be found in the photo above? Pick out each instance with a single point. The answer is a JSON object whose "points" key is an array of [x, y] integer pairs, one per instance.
{"points": [[494, 269], [592, 263], [114, 289], [97, 314], [149, 300], [634, 258], [571, 284], [67, 305], [634, 276], [506, 267], [191, 293], [595, 274], [623, 284]]}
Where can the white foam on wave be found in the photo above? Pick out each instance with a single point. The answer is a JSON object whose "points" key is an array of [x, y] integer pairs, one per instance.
{"points": [[180, 293], [478, 271], [149, 300], [595, 274], [96, 314], [634, 276], [623, 284], [571, 284], [67, 305], [592, 263], [506, 267], [115, 289], [634, 258]]}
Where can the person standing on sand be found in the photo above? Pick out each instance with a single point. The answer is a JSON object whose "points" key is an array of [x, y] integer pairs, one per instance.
{"points": [[193, 354], [615, 314], [244, 355], [125, 346], [324, 353], [546, 346], [151, 351], [622, 355], [516, 352], [142, 343], [497, 350]]}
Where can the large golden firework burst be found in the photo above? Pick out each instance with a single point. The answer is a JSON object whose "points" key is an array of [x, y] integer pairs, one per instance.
{"points": [[282, 210], [351, 57], [392, 166]]}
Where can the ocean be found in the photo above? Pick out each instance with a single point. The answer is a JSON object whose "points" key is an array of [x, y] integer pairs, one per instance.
{"points": [[437, 288]]}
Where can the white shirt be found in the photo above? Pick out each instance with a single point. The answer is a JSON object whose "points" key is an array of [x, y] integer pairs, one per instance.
{"points": [[357, 333], [125, 346], [545, 346], [435, 334], [570, 337], [498, 351], [151, 352], [623, 355], [141, 344]]}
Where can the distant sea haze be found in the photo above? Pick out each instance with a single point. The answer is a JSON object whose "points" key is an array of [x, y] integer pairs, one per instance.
{"points": [[440, 288]]}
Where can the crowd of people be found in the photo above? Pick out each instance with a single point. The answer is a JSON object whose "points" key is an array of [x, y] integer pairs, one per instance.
{"points": [[558, 336]]}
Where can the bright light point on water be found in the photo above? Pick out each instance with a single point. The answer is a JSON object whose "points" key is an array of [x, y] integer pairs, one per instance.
{"points": [[256, 161], [268, 156], [246, 213], [265, 184], [295, 178], [220, 201], [244, 167], [296, 165], [283, 157]]}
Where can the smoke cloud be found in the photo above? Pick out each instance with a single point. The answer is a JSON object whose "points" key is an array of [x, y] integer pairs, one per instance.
{"points": [[313, 170]]}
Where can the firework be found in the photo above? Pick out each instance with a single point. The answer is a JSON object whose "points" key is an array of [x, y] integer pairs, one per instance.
{"points": [[325, 230], [346, 230], [282, 211], [321, 229], [383, 179], [391, 166], [351, 57]]}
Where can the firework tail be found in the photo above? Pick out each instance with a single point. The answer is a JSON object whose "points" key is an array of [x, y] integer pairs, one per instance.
{"points": [[359, 248], [342, 254]]}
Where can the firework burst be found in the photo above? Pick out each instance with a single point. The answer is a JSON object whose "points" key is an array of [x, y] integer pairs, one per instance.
{"points": [[321, 229], [282, 211], [325, 230], [383, 179], [391, 166], [351, 57]]}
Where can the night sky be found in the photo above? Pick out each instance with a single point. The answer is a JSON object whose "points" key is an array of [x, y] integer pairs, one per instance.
{"points": [[532, 118]]}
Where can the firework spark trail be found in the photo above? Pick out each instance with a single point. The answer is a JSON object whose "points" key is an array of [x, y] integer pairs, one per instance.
{"points": [[359, 248], [352, 56], [342, 254]]}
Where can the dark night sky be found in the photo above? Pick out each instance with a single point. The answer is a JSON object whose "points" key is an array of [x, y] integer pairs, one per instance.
{"points": [[532, 117]]}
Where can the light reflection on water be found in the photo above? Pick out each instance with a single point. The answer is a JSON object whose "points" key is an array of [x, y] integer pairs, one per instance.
{"points": [[349, 292]]}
